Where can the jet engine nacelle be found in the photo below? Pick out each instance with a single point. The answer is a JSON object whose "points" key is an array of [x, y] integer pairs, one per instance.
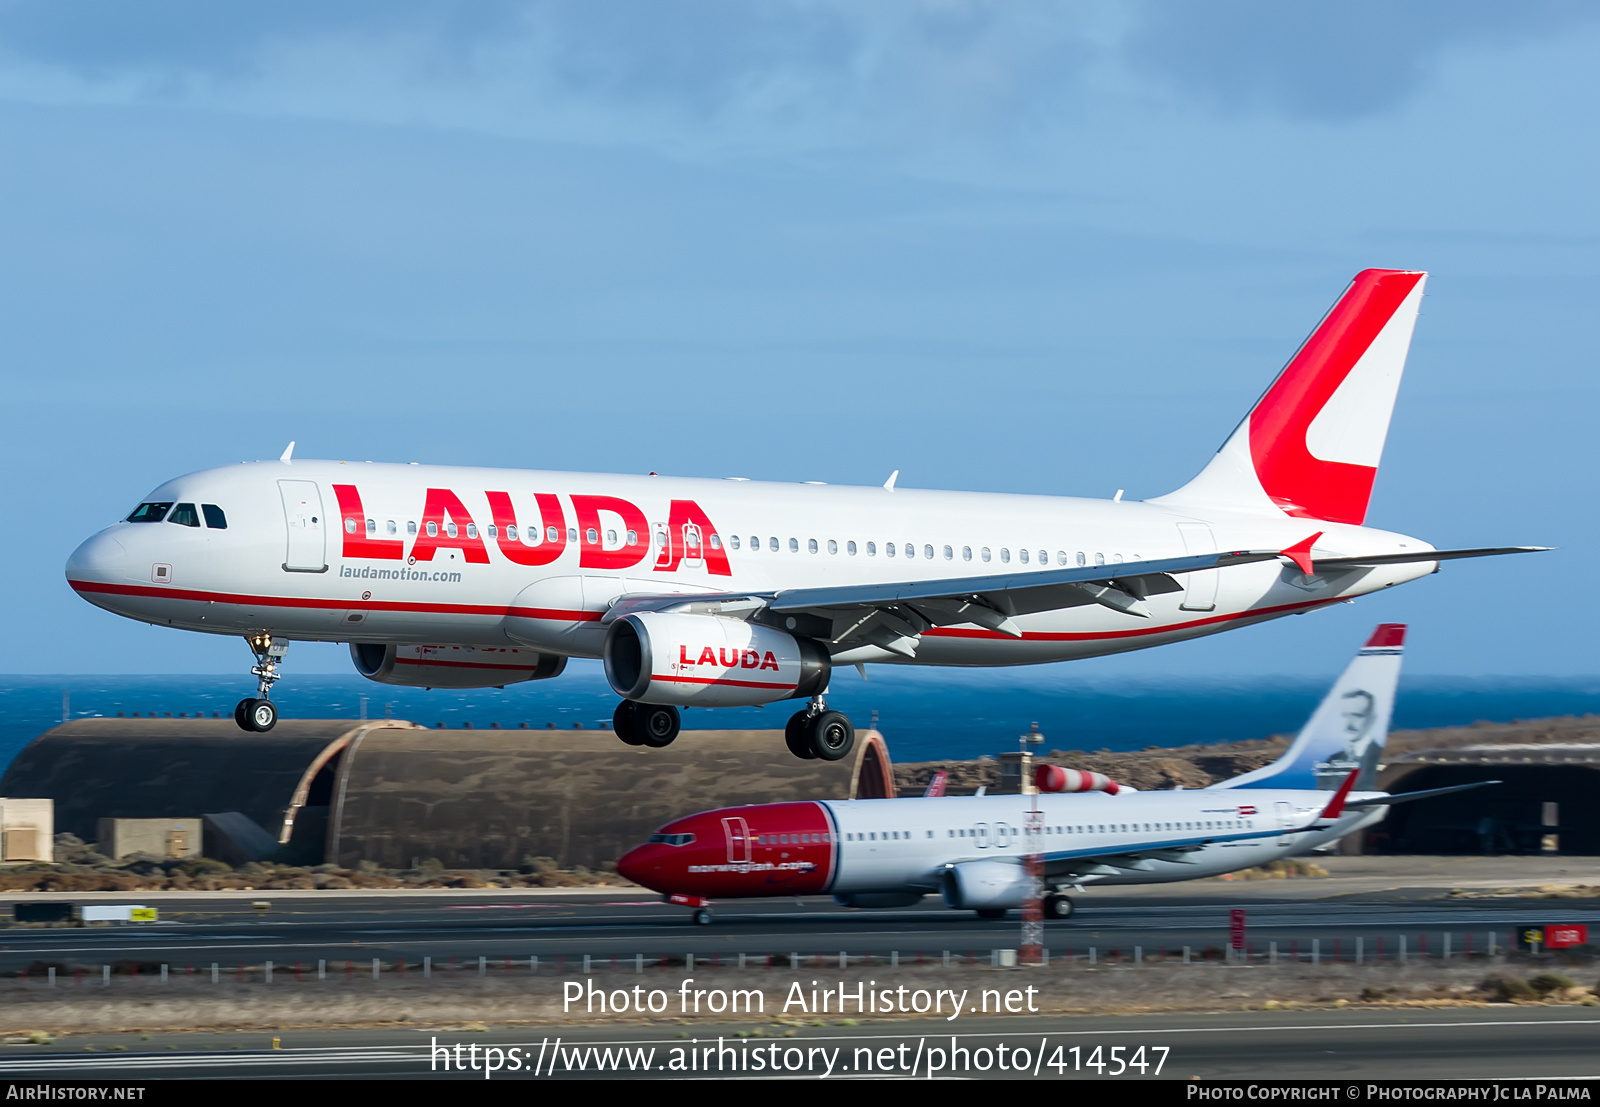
{"points": [[452, 666], [710, 661], [975, 885]]}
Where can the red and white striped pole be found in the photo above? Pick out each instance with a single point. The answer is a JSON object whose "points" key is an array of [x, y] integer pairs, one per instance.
{"points": [[1032, 952]]}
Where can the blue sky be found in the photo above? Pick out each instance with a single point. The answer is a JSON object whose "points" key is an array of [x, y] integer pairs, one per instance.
{"points": [[1011, 246]]}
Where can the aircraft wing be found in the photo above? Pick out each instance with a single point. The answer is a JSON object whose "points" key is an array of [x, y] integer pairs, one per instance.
{"points": [[1101, 861], [893, 615]]}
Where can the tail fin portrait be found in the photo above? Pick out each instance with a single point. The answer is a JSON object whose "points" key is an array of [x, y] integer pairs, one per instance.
{"points": [[1349, 727], [1310, 446]]}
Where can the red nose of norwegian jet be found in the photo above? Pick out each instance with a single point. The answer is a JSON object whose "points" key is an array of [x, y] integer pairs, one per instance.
{"points": [[661, 862]]}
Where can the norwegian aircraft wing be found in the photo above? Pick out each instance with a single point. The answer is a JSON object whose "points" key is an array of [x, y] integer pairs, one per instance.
{"points": [[1103, 862]]}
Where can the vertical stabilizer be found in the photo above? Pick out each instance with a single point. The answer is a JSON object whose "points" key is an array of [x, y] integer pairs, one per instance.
{"points": [[1311, 445], [1349, 727]]}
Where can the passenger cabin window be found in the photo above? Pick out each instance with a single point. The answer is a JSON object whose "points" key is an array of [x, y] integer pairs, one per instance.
{"points": [[733, 541], [984, 553], [1005, 556], [185, 515], [850, 548], [811, 544], [216, 520], [150, 513], [772, 544], [794, 545], [872, 549]]}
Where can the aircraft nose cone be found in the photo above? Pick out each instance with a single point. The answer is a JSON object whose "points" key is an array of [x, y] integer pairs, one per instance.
{"points": [[98, 558], [633, 866]]}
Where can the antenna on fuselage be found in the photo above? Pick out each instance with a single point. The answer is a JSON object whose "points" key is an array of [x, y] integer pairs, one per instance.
{"points": [[288, 453], [888, 485]]}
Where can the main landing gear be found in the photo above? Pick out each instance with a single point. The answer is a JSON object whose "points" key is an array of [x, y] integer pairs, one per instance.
{"points": [[646, 724], [1057, 906], [261, 714], [819, 733]]}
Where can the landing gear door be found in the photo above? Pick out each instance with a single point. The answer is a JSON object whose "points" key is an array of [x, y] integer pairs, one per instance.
{"points": [[738, 835], [1199, 589], [302, 513]]}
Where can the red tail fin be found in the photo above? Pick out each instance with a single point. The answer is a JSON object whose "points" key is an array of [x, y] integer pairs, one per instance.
{"points": [[1311, 444]]}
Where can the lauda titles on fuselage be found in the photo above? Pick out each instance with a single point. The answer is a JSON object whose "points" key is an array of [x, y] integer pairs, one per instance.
{"points": [[731, 592]]}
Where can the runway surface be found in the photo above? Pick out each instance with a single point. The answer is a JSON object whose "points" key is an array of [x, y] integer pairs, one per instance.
{"points": [[1368, 904], [1346, 1046]]}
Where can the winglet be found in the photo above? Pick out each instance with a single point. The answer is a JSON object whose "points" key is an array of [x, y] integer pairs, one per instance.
{"points": [[288, 453], [1336, 808], [1300, 553], [888, 485]]}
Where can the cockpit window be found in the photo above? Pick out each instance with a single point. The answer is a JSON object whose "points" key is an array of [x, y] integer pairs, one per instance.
{"points": [[150, 513], [215, 519], [672, 839], [184, 515]]}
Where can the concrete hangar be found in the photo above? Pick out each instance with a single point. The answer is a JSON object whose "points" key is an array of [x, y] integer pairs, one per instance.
{"points": [[396, 794]]}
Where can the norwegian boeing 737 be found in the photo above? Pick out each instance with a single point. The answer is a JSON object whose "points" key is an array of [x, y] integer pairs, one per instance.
{"points": [[971, 849], [718, 593]]}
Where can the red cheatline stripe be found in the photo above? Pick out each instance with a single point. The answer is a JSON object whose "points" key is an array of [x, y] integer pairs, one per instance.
{"points": [[1134, 632], [593, 616], [721, 680], [335, 605]]}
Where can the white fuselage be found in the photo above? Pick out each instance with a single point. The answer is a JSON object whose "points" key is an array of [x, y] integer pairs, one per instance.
{"points": [[906, 845], [297, 560]]}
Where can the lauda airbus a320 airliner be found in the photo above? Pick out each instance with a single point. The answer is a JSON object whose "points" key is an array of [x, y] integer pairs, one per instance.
{"points": [[718, 593]]}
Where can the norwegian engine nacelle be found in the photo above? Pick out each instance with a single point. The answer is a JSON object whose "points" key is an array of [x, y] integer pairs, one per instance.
{"points": [[976, 885], [710, 661], [452, 666]]}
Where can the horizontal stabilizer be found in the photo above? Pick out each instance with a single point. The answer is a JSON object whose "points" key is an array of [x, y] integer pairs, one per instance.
{"points": [[1407, 797], [1412, 557]]}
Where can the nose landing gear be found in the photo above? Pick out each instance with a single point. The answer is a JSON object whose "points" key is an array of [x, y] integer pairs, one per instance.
{"points": [[261, 714], [646, 724], [817, 732]]}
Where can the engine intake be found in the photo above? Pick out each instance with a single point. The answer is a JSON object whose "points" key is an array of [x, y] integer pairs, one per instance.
{"points": [[452, 666], [977, 885], [710, 661]]}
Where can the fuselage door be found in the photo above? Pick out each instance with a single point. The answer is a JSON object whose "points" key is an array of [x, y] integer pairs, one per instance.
{"points": [[738, 835], [1285, 823], [302, 514], [693, 555], [1199, 589]]}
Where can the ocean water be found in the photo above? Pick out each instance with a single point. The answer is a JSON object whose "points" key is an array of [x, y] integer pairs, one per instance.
{"points": [[925, 715]]}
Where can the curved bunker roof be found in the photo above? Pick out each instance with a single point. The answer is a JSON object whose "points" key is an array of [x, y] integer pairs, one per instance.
{"points": [[396, 794]]}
